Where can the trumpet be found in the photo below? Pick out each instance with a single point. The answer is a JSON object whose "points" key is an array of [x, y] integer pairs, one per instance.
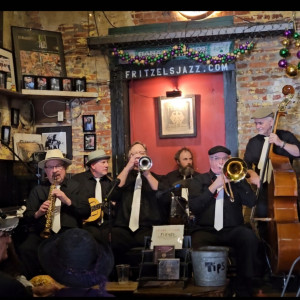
{"points": [[235, 169], [145, 163]]}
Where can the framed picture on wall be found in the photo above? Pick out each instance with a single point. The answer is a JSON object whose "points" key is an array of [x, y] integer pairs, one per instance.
{"points": [[80, 84], [57, 138], [177, 117], [7, 65], [88, 122], [89, 141], [67, 84], [38, 52], [85, 159], [55, 84]]}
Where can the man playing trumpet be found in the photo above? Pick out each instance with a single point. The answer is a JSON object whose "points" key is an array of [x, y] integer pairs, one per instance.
{"points": [[218, 209]]}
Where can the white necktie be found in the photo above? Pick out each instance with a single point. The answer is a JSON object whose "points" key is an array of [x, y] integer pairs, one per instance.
{"points": [[56, 219], [219, 209], [263, 157], [135, 207], [98, 192]]}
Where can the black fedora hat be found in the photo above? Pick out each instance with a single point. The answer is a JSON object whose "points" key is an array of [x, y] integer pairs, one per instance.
{"points": [[74, 258]]}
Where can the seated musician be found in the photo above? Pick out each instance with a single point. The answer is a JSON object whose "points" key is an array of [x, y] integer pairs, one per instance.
{"points": [[285, 143], [97, 184], [70, 207], [218, 209], [139, 208], [179, 214]]}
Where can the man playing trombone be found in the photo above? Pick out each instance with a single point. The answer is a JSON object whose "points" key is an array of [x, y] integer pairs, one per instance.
{"points": [[218, 208]]}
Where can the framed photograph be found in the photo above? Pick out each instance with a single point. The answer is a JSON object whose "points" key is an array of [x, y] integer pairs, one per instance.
{"points": [[88, 123], [89, 141], [7, 65], [80, 84], [14, 117], [3, 76], [29, 82], [38, 52], [55, 84], [42, 83], [177, 117], [5, 135], [67, 84], [26, 144], [168, 268], [57, 138]]}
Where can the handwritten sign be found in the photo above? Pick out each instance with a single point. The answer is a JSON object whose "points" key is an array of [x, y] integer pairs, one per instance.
{"points": [[167, 235]]}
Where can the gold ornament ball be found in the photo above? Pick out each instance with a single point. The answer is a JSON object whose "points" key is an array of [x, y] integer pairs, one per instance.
{"points": [[291, 70], [285, 42], [297, 44]]}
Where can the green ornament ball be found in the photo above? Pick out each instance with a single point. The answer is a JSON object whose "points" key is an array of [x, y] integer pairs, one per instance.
{"points": [[284, 52]]}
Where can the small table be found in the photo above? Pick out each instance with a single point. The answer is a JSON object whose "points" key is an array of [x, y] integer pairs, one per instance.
{"points": [[162, 289]]}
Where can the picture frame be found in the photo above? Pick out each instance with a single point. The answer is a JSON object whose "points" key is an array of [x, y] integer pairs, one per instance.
{"points": [[14, 117], [80, 84], [89, 142], [55, 83], [7, 65], [5, 135], [177, 117], [62, 139], [38, 52], [88, 123], [41, 83], [3, 82], [67, 84], [28, 82]]}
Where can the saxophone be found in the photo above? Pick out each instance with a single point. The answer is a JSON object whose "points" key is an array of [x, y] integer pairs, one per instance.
{"points": [[49, 216]]}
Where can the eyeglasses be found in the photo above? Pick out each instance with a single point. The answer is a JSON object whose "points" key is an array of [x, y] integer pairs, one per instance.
{"points": [[216, 158], [140, 153], [59, 167]]}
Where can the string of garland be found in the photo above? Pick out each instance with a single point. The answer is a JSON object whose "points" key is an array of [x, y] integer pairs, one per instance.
{"points": [[290, 68], [184, 50]]}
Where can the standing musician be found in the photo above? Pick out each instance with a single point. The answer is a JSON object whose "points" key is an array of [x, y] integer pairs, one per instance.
{"points": [[139, 208], [218, 209], [98, 170], [182, 175], [71, 207], [285, 143]]}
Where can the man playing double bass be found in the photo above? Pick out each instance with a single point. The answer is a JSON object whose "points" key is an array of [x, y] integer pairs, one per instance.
{"points": [[284, 143]]}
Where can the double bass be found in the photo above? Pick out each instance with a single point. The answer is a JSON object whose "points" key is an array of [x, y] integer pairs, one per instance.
{"points": [[284, 225]]}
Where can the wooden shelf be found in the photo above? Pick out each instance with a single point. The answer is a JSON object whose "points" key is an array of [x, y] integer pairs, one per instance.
{"points": [[64, 94], [48, 94]]}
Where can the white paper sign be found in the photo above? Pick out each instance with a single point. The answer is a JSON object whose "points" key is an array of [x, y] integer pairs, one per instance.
{"points": [[167, 235]]}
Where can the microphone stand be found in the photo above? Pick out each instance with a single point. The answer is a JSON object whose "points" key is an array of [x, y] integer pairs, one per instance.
{"points": [[108, 202]]}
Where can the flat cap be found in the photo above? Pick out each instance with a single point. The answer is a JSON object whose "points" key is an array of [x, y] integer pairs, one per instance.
{"points": [[96, 155], [263, 112], [218, 149]]}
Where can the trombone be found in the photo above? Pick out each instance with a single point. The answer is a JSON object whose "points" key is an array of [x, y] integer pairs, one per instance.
{"points": [[235, 169]]}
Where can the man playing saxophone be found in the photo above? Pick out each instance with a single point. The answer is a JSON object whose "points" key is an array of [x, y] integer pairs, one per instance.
{"points": [[70, 208]]}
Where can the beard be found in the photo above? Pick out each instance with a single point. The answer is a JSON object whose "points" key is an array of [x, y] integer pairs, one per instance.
{"points": [[186, 171]]}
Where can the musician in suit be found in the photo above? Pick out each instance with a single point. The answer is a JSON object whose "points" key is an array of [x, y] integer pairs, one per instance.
{"points": [[100, 219], [285, 143], [224, 225], [126, 233], [183, 174], [71, 207]]}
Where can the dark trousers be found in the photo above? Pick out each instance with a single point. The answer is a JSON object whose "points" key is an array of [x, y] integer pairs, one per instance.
{"points": [[241, 238]]}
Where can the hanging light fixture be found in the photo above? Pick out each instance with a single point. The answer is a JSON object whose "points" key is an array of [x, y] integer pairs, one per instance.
{"points": [[196, 15]]}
